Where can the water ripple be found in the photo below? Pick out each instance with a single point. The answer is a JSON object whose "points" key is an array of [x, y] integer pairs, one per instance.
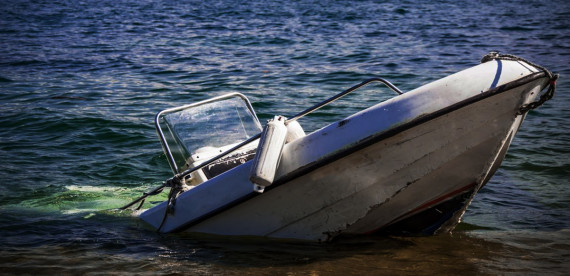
{"points": [[81, 81]]}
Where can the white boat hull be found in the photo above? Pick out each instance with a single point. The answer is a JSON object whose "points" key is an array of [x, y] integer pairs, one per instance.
{"points": [[375, 170]]}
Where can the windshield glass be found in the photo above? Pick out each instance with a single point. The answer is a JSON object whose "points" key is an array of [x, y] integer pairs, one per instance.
{"points": [[213, 124]]}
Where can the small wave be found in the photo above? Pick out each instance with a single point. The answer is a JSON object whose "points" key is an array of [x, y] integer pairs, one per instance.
{"points": [[516, 28], [94, 188], [79, 211], [400, 11], [2, 79], [68, 98], [167, 72], [25, 62]]}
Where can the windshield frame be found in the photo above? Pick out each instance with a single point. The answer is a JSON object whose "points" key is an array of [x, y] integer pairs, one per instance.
{"points": [[161, 124]]}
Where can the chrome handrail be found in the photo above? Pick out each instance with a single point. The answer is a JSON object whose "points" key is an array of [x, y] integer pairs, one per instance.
{"points": [[342, 94], [294, 118]]}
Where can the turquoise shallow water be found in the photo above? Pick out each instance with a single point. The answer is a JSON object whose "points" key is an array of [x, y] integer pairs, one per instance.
{"points": [[80, 83]]}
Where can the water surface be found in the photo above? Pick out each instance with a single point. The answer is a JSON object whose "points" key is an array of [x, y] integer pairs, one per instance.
{"points": [[81, 81]]}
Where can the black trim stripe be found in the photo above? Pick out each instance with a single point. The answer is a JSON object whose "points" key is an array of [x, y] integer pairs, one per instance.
{"points": [[366, 143]]}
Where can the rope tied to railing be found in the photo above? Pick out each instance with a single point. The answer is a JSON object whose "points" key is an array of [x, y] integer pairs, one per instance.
{"points": [[497, 55], [551, 84], [175, 183], [177, 187], [142, 198], [543, 98]]}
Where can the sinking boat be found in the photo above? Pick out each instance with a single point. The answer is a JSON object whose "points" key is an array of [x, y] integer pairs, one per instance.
{"points": [[407, 165]]}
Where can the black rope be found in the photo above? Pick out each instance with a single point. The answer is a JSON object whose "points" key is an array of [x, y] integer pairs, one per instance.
{"points": [[543, 98], [140, 205], [551, 85], [142, 198], [176, 188], [496, 55]]}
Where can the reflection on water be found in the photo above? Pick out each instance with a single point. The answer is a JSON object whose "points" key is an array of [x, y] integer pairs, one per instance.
{"points": [[136, 250]]}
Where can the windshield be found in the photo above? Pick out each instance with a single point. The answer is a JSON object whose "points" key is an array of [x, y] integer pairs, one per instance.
{"points": [[215, 123]]}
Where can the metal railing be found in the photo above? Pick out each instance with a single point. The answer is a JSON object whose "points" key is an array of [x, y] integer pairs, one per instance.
{"points": [[175, 180], [255, 137], [342, 94]]}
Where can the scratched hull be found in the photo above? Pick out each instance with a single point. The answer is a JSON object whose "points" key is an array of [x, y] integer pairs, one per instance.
{"points": [[459, 171], [381, 184], [377, 170]]}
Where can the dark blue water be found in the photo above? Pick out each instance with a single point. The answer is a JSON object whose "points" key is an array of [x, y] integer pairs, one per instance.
{"points": [[81, 81]]}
